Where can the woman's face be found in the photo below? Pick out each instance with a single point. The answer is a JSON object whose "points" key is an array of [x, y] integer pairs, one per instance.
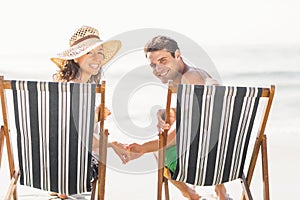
{"points": [[90, 63]]}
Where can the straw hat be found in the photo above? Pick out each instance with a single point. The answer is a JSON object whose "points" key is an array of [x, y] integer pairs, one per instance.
{"points": [[84, 40]]}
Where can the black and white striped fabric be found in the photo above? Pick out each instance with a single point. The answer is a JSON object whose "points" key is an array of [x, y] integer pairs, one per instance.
{"points": [[213, 125], [54, 123]]}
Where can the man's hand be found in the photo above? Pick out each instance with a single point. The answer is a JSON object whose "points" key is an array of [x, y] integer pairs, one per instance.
{"points": [[160, 119], [134, 151]]}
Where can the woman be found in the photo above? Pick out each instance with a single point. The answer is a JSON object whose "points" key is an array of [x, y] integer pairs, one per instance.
{"points": [[82, 63]]}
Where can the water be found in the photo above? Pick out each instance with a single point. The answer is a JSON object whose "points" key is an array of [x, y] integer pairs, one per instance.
{"points": [[236, 65]]}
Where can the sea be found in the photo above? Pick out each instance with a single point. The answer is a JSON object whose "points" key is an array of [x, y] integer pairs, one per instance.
{"points": [[134, 95]]}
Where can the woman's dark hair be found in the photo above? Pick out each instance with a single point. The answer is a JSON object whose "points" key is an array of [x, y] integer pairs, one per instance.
{"points": [[70, 71]]}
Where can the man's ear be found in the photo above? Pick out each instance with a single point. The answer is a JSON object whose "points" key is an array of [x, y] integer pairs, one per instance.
{"points": [[177, 54]]}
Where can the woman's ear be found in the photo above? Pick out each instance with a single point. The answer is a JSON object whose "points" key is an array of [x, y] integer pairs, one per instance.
{"points": [[75, 60]]}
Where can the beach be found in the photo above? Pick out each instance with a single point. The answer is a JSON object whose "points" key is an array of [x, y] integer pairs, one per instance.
{"points": [[245, 65]]}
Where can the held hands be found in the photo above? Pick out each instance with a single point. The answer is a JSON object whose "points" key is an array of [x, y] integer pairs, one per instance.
{"points": [[127, 152], [133, 151]]}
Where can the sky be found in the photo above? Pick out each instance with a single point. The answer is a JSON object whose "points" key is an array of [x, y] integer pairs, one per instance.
{"points": [[34, 26]]}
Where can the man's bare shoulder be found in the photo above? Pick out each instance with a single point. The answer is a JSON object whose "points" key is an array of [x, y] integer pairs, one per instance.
{"points": [[195, 76]]}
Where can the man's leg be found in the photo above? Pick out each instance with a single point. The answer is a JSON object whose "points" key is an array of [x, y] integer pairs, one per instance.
{"points": [[186, 191], [221, 192]]}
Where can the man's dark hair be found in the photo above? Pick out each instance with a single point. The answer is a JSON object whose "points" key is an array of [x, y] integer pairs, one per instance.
{"points": [[161, 42]]}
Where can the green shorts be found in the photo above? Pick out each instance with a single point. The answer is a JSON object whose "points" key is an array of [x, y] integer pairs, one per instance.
{"points": [[170, 160]]}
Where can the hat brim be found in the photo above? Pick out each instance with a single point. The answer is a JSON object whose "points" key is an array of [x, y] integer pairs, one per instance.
{"points": [[110, 49]]}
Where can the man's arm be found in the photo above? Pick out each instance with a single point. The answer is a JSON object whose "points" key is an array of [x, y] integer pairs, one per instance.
{"points": [[137, 150]]}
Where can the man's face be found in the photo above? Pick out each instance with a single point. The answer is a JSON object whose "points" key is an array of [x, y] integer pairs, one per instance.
{"points": [[163, 65]]}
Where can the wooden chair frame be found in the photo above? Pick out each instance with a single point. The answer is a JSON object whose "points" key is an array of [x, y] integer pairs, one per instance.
{"points": [[260, 145]]}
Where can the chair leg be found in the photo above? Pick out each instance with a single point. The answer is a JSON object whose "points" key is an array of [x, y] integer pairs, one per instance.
{"points": [[1, 143], [246, 194], [159, 184], [161, 157], [12, 189], [265, 172], [94, 185], [102, 164], [167, 196], [101, 183]]}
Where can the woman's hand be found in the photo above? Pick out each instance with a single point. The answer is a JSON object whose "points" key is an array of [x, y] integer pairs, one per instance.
{"points": [[120, 150], [97, 113], [106, 112]]}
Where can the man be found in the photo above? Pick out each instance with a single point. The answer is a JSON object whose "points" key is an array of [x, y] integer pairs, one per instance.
{"points": [[166, 63]]}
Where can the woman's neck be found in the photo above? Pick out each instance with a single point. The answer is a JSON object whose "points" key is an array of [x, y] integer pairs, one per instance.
{"points": [[83, 77]]}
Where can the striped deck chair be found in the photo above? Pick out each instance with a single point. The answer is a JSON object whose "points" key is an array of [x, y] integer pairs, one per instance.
{"points": [[54, 124], [214, 125]]}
